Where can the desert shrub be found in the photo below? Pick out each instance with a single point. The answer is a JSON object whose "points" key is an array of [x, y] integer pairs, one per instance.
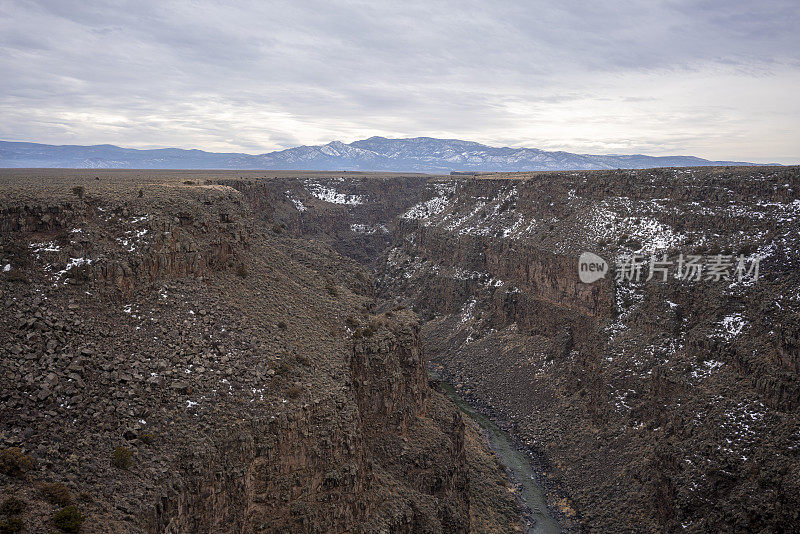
{"points": [[15, 463], [69, 519], [62, 239], [85, 496], [277, 229], [122, 457], [294, 392], [331, 288], [282, 368], [56, 493], [372, 327], [282, 325], [79, 191], [12, 506], [302, 359], [15, 275], [188, 182], [241, 270], [148, 438], [11, 525]]}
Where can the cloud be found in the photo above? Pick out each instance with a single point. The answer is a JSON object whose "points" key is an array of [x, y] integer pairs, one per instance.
{"points": [[715, 80]]}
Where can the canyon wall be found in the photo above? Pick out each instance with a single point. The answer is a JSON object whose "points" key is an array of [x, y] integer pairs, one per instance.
{"points": [[251, 340], [181, 363], [657, 405]]}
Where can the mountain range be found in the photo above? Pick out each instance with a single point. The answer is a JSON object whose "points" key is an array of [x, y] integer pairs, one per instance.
{"points": [[417, 154]]}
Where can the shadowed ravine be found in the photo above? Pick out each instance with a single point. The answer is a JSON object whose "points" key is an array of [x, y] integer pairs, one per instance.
{"points": [[517, 464], [254, 346], [652, 414]]}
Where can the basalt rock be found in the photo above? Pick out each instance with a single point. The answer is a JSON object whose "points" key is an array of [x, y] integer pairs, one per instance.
{"points": [[660, 404], [182, 367]]}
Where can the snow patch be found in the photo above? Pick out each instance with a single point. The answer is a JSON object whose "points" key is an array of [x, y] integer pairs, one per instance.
{"points": [[707, 368], [427, 209], [73, 263], [328, 194], [367, 229], [299, 206], [50, 246], [732, 326]]}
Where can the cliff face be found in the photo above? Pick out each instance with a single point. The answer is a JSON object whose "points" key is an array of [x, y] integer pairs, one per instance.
{"points": [[224, 330], [657, 404], [246, 375], [376, 460], [414, 435], [357, 223]]}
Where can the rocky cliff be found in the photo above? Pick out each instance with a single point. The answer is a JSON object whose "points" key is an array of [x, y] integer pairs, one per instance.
{"points": [[654, 405], [219, 339], [175, 360]]}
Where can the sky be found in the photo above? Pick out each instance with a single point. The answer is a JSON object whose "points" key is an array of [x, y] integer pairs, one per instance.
{"points": [[707, 78]]}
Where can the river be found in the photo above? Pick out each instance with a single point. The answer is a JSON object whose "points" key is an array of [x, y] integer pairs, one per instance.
{"points": [[515, 461]]}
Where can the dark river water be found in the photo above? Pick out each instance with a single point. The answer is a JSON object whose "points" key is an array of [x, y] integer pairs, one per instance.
{"points": [[515, 461]]}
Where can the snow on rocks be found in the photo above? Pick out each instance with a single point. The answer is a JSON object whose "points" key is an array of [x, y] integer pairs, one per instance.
{"points": [[367, 229], [605, 222], [299, 206], [38, 248], [706, 369], [427, 209], [467, 310], [131, 239], [329, 194], [731, 326], [72, 264], [444, 193]]}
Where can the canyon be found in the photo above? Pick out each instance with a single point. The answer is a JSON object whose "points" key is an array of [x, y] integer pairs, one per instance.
{"points": [[259, 341]]}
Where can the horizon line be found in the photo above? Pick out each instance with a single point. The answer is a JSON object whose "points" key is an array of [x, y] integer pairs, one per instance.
{"points": [[737, 160]]}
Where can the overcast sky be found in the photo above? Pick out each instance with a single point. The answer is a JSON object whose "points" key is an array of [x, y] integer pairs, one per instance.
{"points": [[709, 78]]}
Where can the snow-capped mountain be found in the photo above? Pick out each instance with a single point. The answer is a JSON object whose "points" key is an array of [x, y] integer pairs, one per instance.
{"points": [[416, 154]]}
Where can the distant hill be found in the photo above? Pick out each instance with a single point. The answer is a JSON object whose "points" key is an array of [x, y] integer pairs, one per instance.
{"points": [[416, 154]]}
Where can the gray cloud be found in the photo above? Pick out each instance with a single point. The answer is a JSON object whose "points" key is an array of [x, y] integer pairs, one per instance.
{"points": [[712, 79]]}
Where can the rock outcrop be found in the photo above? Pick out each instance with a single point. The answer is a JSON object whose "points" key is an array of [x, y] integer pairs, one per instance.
{"points": [[658, 405], [178, 366], [225, 330]]}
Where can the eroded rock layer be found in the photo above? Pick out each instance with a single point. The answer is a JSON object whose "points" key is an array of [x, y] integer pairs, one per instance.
{"points": [[171, 363], [653, 405]]}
